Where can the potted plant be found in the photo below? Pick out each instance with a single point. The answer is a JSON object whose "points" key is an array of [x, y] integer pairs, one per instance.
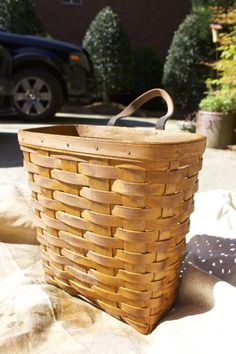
{"points": [[217, 119], [217, 116]]}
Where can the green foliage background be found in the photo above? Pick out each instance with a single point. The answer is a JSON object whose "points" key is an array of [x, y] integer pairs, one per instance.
{"points": [[221, 95], [206, 3], [20, 16]]}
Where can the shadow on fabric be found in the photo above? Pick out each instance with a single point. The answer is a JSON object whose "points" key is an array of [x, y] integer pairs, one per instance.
{"points": [[207, 261]]}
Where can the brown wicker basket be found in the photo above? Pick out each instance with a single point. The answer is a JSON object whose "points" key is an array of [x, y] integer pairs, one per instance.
{"points": [[112, 208]]}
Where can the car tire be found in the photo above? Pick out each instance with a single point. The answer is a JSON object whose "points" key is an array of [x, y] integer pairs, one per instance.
{"points": [[37, 95]]}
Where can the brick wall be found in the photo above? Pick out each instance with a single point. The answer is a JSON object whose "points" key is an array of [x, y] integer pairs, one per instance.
{"points": [[146, 21]]}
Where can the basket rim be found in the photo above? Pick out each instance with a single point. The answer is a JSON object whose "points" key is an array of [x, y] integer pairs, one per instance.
{"points": [[53, 138], [182, 138]]}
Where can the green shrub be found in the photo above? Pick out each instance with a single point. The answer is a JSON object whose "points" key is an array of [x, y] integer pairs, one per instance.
{"points": [[206, 3], [4, 15], [185, 71], [220, 103], [20, 17], [147, 69], [222, 89], [225, 65], [108, 46]]}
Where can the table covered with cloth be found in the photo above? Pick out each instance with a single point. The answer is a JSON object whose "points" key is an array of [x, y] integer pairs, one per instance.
{"points": [[39, 318]]}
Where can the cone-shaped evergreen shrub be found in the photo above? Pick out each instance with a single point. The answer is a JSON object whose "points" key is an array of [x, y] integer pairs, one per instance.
{"points": [[20, 16], [185, 70], [108, 46]]}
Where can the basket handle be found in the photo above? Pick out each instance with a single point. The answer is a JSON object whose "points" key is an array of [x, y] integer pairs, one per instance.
{"points": [[145, 97]]}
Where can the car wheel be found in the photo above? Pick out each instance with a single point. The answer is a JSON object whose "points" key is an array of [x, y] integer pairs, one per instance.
{"points": [[37, 95]]}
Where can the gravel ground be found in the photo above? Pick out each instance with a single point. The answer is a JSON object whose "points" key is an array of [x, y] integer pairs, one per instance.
{"points": [[219, 167]]}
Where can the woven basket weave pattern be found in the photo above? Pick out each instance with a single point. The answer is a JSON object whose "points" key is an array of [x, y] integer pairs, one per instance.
{"points": [[113, 230]]}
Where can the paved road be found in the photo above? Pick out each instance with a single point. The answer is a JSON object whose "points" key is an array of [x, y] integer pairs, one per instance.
{"points": [[219, 168]]}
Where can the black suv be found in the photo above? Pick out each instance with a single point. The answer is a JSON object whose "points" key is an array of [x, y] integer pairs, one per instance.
{"points": [[46, 73], [5, 78]]}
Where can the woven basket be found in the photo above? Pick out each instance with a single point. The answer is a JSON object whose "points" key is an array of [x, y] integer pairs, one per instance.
{"points": [[112, 208]]}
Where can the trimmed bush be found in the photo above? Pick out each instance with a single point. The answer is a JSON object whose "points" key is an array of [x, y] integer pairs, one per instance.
{"points": [[4, 15], [147, 69], [20, 17], [185, 71], [219, 103], [206, 3], [108, 46]]}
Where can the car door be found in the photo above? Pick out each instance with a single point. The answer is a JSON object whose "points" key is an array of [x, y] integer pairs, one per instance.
{"points": [[5, 77]]}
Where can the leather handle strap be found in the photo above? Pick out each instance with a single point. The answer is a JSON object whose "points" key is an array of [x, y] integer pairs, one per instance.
{"points": [[145, 97]]}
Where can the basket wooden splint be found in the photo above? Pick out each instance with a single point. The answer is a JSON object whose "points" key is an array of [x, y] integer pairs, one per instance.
{"points": [[112, 208]]}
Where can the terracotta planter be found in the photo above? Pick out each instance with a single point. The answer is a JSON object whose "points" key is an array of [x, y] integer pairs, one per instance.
{"points": [[219, 128]]}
